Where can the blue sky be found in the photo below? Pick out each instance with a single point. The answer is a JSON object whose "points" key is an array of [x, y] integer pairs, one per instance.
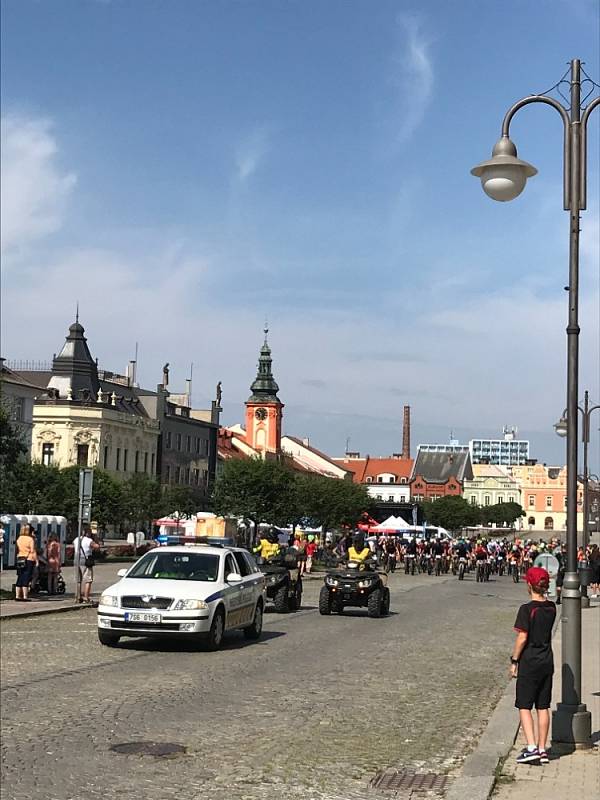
{"points": [[186, 169]]}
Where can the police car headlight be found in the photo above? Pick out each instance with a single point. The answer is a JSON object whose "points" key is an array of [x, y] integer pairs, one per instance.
{"points": [[364, 584], [189, 605], [331, 581], [108, 600], [273, 578]]}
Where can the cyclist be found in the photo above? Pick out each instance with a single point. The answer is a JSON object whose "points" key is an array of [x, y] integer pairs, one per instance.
{"points": [[437, 551], [411, 556]]}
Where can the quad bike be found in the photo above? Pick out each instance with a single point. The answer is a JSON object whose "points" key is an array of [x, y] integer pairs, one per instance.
{"points": [[355, 585]]}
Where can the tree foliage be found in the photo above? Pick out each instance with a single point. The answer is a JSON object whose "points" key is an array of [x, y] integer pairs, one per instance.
{"points": [[270, 491], [454, 513]]}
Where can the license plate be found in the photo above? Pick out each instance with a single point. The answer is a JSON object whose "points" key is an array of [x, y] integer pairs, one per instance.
{"points": [[152, 619]]}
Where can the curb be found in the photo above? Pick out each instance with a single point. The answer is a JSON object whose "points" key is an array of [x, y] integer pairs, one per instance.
{"points": [[44, 611], [477, 778], [478, 775]]}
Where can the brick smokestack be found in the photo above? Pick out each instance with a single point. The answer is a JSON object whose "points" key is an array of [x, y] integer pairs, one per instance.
{"points": [[406, 433]]}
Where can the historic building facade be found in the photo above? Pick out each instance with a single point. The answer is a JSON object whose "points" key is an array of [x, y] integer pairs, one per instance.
{"points": [[438, 474], [94, 418], [490, 485], [544, 497]]}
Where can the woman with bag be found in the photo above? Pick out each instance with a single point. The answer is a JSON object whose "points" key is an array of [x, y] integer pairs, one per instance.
{"points": [[27, 560]]}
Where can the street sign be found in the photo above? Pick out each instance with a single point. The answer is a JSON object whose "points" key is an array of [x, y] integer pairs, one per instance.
{"points": [[86, 482]]}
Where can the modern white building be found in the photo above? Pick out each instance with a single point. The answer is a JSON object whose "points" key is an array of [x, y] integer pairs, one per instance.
{"points": [[508, 451]]}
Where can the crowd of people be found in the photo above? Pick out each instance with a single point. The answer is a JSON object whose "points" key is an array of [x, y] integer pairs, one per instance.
{"points": [[39, 569]]}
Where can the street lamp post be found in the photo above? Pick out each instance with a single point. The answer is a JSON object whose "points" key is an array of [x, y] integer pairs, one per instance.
{"points": [[561, 427], [503, 178]]}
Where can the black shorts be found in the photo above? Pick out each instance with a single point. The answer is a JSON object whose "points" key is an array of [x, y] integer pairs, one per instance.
{"points": [[534, 690]]}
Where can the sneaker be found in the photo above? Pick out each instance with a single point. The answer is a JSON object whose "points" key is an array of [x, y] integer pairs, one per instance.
{"points": [[544, 757], [528, 756]]}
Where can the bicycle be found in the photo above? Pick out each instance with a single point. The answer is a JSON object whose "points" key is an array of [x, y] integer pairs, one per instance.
{"points": [[462, 565]]}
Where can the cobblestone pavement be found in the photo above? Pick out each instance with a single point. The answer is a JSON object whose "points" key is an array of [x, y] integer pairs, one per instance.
{"points": [[312, 711]]}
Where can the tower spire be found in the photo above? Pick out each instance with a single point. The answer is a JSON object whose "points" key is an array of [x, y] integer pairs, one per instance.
{"points": [[264, 388]]}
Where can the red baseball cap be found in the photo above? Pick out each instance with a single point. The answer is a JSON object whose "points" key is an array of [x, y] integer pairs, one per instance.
{"points": [[536, 575]]}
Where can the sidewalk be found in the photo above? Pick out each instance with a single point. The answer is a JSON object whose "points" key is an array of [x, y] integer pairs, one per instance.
{"points": [[576, 774], [104, 576]]}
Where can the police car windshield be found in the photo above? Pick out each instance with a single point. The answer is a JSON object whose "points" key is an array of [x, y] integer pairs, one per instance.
{"points": [[177, 566]]}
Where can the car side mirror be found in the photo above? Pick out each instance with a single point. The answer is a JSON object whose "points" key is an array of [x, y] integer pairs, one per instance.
{"points": [[121, 573], [233, 577]]}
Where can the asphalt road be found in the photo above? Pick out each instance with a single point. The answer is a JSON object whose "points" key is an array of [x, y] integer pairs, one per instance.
{"points": [[314, 710]]}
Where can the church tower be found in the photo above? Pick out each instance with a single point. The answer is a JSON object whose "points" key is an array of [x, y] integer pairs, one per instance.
{"points": [[264, 410]]}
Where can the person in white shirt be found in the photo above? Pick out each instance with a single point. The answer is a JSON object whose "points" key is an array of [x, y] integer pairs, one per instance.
{"points": [[83, 557]]}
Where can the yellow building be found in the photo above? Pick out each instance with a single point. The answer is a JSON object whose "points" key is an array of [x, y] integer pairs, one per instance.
{"points": [[544, 497]]}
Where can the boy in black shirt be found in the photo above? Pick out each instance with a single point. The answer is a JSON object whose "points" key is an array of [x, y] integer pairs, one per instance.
{"points": [[532, 665]]}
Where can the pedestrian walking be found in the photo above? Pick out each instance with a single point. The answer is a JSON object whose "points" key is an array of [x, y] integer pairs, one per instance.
{"points": [[83, 556], [27, 560], [532, 665], [53, 562], [311, 549]]}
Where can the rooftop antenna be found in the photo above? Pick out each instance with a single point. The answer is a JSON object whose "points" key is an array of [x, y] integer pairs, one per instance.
{"points": [[77, 312], [190, 383], [347, 445]]}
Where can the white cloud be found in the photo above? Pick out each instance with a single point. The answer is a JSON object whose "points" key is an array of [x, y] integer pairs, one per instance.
{"points": [[251, 152], [35, 188], [413, 75]]}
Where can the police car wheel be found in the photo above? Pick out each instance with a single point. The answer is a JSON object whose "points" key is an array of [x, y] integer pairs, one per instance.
{"points": [[254, 631], [215, 635], [107, 638]]}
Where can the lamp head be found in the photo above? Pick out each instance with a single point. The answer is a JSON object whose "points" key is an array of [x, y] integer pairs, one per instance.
{"points": [[561, 426], [503, 176]]}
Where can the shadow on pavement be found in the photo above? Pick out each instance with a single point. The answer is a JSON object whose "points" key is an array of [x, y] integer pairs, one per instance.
{"points": [[232, 641]]}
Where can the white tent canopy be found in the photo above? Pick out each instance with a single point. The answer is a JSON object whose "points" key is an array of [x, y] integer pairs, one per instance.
{"points": [[392, 523]]}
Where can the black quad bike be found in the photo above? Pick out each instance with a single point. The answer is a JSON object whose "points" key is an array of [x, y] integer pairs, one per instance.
{"points": [[351, 585], [283, 583]]}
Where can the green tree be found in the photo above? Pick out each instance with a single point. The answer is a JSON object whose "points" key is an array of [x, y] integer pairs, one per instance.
{"points": [[332, 503], [256, 489], [37, 489], [501, 514], [12, 446], [451, 512]]}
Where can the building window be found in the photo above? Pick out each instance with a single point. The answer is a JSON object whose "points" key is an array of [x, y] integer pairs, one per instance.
{"points": [[125, 454], [106, 457], [473, 499], [197, 444], [178, 440], [390, 498], [548, 524], [531, 522], [118, 462], [369, 479], [152, 457], [392, 479], [565, 501], [500, 498], [189, 444], [47, 454], [549, 502], [531, 501], [145, 462], [511, 498], [380, 497], [196, 477], [82, 455], [177, 474], [168, 474], [137, 461], [486, 499], [168, 440]]}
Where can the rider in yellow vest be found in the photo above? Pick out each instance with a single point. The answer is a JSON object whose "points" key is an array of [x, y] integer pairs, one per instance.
{"points": [[359, 551], [266, 548]]}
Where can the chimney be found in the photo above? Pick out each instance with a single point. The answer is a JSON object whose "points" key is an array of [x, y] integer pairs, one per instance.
{"points": [[406, 433]]}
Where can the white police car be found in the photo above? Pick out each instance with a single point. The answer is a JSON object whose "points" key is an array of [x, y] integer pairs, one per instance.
{"points": [[187, 590]]}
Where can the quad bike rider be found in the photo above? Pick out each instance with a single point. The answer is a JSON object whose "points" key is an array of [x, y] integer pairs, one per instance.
{"points": [[357, 584], [283, 582]]}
